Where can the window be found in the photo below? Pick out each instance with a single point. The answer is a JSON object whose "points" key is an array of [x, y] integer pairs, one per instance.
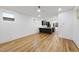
{"points": [[8, 17]]}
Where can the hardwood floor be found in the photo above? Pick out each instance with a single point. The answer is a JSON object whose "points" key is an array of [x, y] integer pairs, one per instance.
{"points": [[40, 42]]}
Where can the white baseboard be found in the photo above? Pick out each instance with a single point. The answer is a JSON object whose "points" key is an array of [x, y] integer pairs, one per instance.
{"points": [[16, 37], [76, 43]]}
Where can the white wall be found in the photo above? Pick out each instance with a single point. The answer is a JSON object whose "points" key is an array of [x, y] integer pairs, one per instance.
{"points": [[69, 25], [65, 20], [22, 26], [76, 27]]}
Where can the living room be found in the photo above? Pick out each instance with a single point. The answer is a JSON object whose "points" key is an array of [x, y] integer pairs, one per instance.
{"points": [[39, 28]]}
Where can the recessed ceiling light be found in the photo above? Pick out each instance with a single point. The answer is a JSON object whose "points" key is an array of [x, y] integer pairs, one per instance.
{"points": [[59, 9], [38, 10]]}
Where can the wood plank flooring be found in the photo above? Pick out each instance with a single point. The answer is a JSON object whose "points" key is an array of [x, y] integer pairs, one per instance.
{"points": [[40, 42]]}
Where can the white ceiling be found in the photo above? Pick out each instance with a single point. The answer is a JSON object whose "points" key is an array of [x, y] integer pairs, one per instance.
{"points": [[46, 11]]}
